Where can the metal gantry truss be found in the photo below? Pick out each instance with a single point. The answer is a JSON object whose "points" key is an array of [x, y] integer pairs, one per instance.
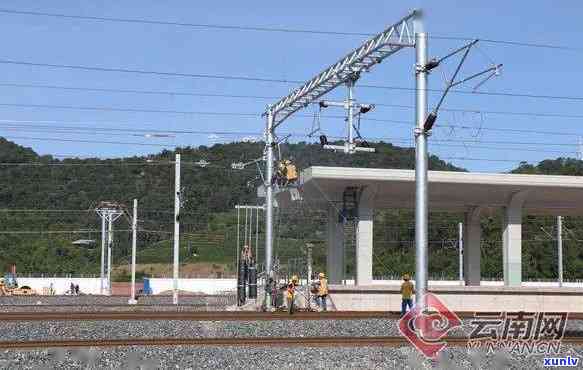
{"points": [[348, 69], [361, 59], [109, 213]]}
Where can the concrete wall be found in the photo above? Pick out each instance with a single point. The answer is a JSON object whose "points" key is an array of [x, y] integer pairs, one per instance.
{"points": [[206, 286], [472, 299], [61, 285], [92, 285]]}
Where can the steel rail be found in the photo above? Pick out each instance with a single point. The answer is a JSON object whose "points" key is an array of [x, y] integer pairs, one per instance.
{"points": [[394, 341], [148, 315], [191, 315]]}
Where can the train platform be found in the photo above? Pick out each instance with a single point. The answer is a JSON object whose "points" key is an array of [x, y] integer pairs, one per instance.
{"points": [[463, 298]]}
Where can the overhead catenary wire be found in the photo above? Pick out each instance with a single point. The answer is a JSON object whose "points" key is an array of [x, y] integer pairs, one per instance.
{"points": [[260, 97], [106, 130], [228, 27], [248, 115], [468, 144], [275, 80]]}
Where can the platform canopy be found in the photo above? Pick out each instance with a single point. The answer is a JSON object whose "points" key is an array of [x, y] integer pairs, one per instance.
{"points": [[448, 190]]}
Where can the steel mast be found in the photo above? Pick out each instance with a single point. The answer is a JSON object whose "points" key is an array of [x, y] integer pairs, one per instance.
{"points": [[373, 51]]}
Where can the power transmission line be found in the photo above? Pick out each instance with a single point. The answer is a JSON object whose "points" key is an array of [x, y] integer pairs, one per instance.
{"points": [[259, 97], [284, 81], [115, 109], [488, 93], [105, 131], [484, 159], [24, 123], [86, 141], [248, 133], [145, 72], [134, 91], [267, 29]]}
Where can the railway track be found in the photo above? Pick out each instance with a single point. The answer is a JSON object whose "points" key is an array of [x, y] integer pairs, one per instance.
{"points": [[209, 315], [395, 341], [193, 315]]}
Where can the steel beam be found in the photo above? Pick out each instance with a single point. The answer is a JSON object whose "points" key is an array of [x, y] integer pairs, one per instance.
{"points": [[362, 59]]}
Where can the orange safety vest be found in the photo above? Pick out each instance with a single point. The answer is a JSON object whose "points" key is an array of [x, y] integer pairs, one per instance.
{"points": [[291, 172], [323, 289]]}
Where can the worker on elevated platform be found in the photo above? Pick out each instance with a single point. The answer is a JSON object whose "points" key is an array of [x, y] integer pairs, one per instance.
{"points": [[291, 172], [322, 291], [407, 291], [286, 173]]}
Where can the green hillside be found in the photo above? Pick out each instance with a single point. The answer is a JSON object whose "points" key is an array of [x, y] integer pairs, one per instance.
{"points": [[65, 192]]}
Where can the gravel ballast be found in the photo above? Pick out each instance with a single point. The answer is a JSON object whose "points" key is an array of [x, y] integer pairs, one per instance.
{"points": [[188, 357], [120, 329]]}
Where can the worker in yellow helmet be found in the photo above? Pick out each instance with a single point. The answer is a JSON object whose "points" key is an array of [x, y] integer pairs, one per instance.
{"points": [[291, 293], [322, 291], [407, 291]]}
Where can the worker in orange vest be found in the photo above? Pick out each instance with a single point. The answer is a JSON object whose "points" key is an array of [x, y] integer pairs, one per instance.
{"points": [[322, 291], [407, 291]]}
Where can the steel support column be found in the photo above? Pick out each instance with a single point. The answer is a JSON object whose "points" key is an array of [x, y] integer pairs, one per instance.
{"points": [[109, 251], [269, 140], [421, 206], [176, 229], [132, 299], [102, 274], [560, 249]]}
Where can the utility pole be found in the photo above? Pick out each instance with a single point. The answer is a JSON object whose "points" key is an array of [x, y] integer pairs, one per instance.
{"points": [[560, 249], [461, 251], [269, 140], [176, 228], [132, 299], [109, 212], [421, 206], [109, 247], [309, 247], [257, 239], [102, 274]]}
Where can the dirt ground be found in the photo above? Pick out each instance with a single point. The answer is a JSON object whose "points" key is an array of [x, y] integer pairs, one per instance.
{"points": [[193, 270]]}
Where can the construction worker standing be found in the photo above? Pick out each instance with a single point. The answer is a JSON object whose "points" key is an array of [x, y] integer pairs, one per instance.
{"points": [[322, 291], [407, 291], [291, 293]]}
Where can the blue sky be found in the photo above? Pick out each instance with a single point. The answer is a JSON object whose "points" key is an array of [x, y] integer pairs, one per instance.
{"points": [[285, 56]]}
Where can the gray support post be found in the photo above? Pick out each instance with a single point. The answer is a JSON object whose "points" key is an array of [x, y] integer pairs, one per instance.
{"points": [[257, 237], [364, 237], [109, 247], [269, 196], [237, 251], [335, 262], [512, 239], [350, 129], [461, 251], [132, 299], [421, 206], [176, 229], [560, 249], [309, 263], [472, 236], [102, 274]]}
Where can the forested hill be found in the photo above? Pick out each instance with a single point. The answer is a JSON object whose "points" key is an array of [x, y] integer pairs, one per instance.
{"points": [[79, 183], [59, 190], [43, 198]]}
